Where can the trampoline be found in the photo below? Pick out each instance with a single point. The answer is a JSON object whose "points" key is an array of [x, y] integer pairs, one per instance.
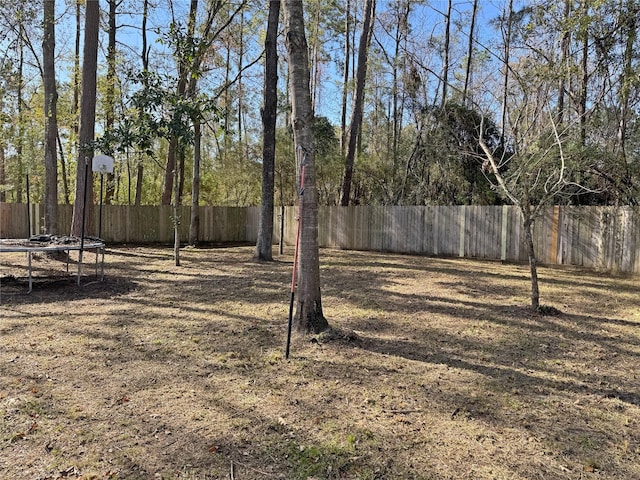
{"points": [[50, 244]]}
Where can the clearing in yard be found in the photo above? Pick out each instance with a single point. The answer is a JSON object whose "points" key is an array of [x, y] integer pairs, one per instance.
{"points": [[435, 369]]}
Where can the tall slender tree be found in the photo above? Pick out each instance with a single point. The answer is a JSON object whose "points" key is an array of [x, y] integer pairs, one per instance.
{"points": [[356, 116], [264, 245], [87, 120], [50, 119], [171, 173], [109, 100], [309, 315]]}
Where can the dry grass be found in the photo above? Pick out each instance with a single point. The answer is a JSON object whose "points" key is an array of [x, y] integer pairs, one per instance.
{"points": [[435, 370]]}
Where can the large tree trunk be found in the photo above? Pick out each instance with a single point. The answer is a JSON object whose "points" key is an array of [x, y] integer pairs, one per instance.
{"points": [[264, 246], [309, 316], [50, 120], [87, 121], [356, 118]]}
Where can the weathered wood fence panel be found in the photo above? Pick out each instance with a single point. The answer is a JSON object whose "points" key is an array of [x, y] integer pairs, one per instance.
{"points": [[605, 238]]}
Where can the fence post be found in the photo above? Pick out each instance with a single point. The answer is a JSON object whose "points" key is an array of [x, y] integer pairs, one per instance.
{"points": [[463, 220], [504, 232]]}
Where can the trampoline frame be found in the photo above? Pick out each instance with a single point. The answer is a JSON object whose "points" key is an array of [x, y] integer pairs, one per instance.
{"points": [[30, 247]]}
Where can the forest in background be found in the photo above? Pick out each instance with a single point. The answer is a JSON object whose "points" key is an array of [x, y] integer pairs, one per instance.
{"points": [[460, 98]]}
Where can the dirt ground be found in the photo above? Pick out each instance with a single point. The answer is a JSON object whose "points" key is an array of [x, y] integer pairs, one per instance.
{"points": [[436, 369]]}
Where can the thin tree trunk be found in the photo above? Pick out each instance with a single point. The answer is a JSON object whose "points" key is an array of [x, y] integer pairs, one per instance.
{"points": [[582, 107], [356, 118], [63, 171], [20, 102], [626, 78], [51, 121], [87, 120], [110, 94], [505, 85], [445, 61], [309, 315], [564, 55], [183, 71], [139, 180], [264, 246], [345, 80], [194, 222], [3, 174], [533, 263], [76, 73], [144, 55], [467, 76]]}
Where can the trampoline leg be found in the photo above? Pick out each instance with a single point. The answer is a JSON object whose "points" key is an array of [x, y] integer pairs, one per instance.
{"points": [[79, 266], [30, 278]]}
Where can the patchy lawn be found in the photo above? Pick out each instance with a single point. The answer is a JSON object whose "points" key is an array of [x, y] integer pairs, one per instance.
{"points": [[435, 369]]}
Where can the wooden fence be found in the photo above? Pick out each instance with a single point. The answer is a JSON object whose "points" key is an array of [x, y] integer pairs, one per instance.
{"points": [[603, 238]]}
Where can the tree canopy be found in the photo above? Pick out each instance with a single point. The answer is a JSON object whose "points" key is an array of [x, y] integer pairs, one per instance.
{"points": [[564, 77]]}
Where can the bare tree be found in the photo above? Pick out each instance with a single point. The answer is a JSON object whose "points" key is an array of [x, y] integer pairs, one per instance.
{"points": [[533, 169], [309, 315]]}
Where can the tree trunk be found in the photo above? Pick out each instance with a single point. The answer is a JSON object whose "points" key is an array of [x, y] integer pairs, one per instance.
{"points": [[445, 61], [505, 85], [139, 180], [110, 95], [309, 316], [582, 106], [626, 78], [63, 171], [345, 80], [194, 222], [87, 121], [356, 117], [264, 246], [528, 234], [183, 71], [144, 56], [3, 174], [467, 76], [51, 121], [564, 56], [20, 103]]}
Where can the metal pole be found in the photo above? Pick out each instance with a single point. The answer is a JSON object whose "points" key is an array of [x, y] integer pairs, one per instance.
{"points": [[100, 214], [281, 246], [28, 208], [295, 265], [84, 216]]}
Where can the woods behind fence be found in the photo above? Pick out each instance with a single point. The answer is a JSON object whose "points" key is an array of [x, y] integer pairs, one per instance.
{"points": [[604, 238]]}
